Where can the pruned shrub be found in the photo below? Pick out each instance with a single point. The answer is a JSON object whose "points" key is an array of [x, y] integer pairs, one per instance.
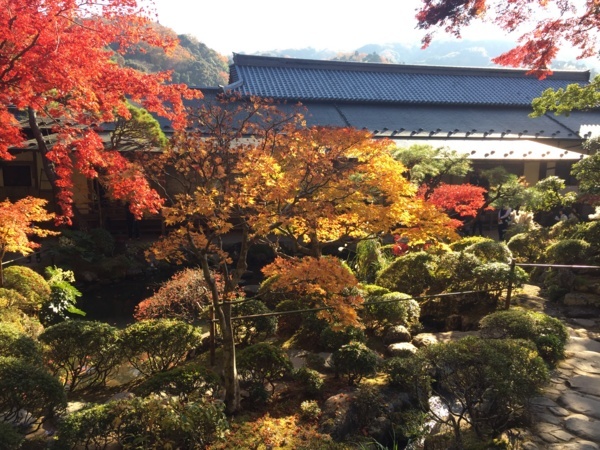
{"points": [[263, 363], [28, 392], [568, 251], [15, 343], [153, 346], [28, 325], [467, 241], [527, 247], [182, 297], [288, 324], [490, 251], [410, 375], [354, 361], [389, 308], [370, 259], [494, 277], [412, 274], [81, 353], [547, 333], [486, 383], [331, 339], [455, 271], [189, 381], [30, 284], [367, 406], [250, 329], [151, 423], [589, 232], [310, 380]]}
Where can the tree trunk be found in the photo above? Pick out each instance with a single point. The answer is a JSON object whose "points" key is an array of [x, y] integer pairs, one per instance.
{"points": [[223, 312], [48, 166]]}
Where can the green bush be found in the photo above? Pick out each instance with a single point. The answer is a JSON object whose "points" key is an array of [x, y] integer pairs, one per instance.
{"points": [[547, 333], [156, 345], [568, 251], [370, 259], [263, 363], [191, 380], [331, 340], [527, 247], [409, 375], [488, 381], [30, 284], [494, 277], [82, 353], [490, 251], [367, 406], [28, 325], [309, 410], [411, 274], [248, 330], [28, 392], [589, 232], [103, 241], [272, 297], [19, 345], [151, 423], [467, 241], [354, 361], [10, 438], [389, 308], [455, 271], [310, 380]]}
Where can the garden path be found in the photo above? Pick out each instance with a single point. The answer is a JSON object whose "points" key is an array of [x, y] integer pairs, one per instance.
{"points": [[567, 414]]}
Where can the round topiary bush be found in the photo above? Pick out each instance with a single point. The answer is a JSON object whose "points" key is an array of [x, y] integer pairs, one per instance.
{"points": [[547, 333], [15, 343], [310, 380], [153, 346], [411, 274], [288, 324], [191, 380], [454, 271], [248, 330], [495, 276], [30, 284], [467, 241], [82, 353], [388, 309], [10, 438], [354, 361], [331, 339], [490, 251], [568, 251], [263, 363], [527, 247]]}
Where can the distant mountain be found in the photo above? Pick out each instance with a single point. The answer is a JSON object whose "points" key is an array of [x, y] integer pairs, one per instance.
{"points": [[440, 53], [192, 62]]}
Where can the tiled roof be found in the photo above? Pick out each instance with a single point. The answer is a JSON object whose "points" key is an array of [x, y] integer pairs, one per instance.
{"points": [[299, 79]]}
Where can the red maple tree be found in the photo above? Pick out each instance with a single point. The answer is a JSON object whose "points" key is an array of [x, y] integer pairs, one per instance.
{"points": [[58, 76], [562, 22], [462, 200]]}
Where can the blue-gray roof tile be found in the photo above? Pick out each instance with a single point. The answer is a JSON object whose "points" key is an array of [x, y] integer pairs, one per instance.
{"points": [[304, 80]]}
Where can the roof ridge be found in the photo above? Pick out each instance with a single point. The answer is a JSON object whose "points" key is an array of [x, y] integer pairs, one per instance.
{"points": [[299, 63]]}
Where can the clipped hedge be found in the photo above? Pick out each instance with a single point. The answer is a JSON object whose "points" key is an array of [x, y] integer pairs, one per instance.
{"points": [[412, 274], [354, 361], [263, 363], [15, 343]]}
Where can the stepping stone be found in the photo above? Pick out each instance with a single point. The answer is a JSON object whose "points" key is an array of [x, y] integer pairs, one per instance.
{"points": [[585, 323], [587, 362], [577, 344], [580, 404], [584, 427], [585, 384], [578, 445]]}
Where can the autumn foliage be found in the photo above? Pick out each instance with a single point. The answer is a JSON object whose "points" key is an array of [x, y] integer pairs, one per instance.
{"points": [[562, 22], [462, 200], [324, 283], [57, 71], [18, 224]]}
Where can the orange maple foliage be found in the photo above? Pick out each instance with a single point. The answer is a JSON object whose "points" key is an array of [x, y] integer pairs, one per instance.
{"points": [[17, 224], [563, 22], [56, 66], [323, 282]]}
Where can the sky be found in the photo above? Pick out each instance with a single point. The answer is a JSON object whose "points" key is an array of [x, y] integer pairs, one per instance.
{"points": [[249, 26]]}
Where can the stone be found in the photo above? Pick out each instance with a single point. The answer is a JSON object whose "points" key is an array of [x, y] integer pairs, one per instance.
{"points": [[579, 344], [580, 404], [583, 312], [401, 349], [398, 333], [558, 411], [578, 445], [584, 427], [587, 362], [585, 323], [454, 322], [581, 299], [424, 340], [585, 384], [336, 419]]}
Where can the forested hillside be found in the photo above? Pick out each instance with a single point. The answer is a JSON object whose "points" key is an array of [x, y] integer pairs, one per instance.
{"points": [[192, 62]]}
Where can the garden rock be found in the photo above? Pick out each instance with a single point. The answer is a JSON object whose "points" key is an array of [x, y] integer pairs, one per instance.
{"points": [[336, 419], [424, 340], [401, 349], [398, 333], [581, 299]]}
